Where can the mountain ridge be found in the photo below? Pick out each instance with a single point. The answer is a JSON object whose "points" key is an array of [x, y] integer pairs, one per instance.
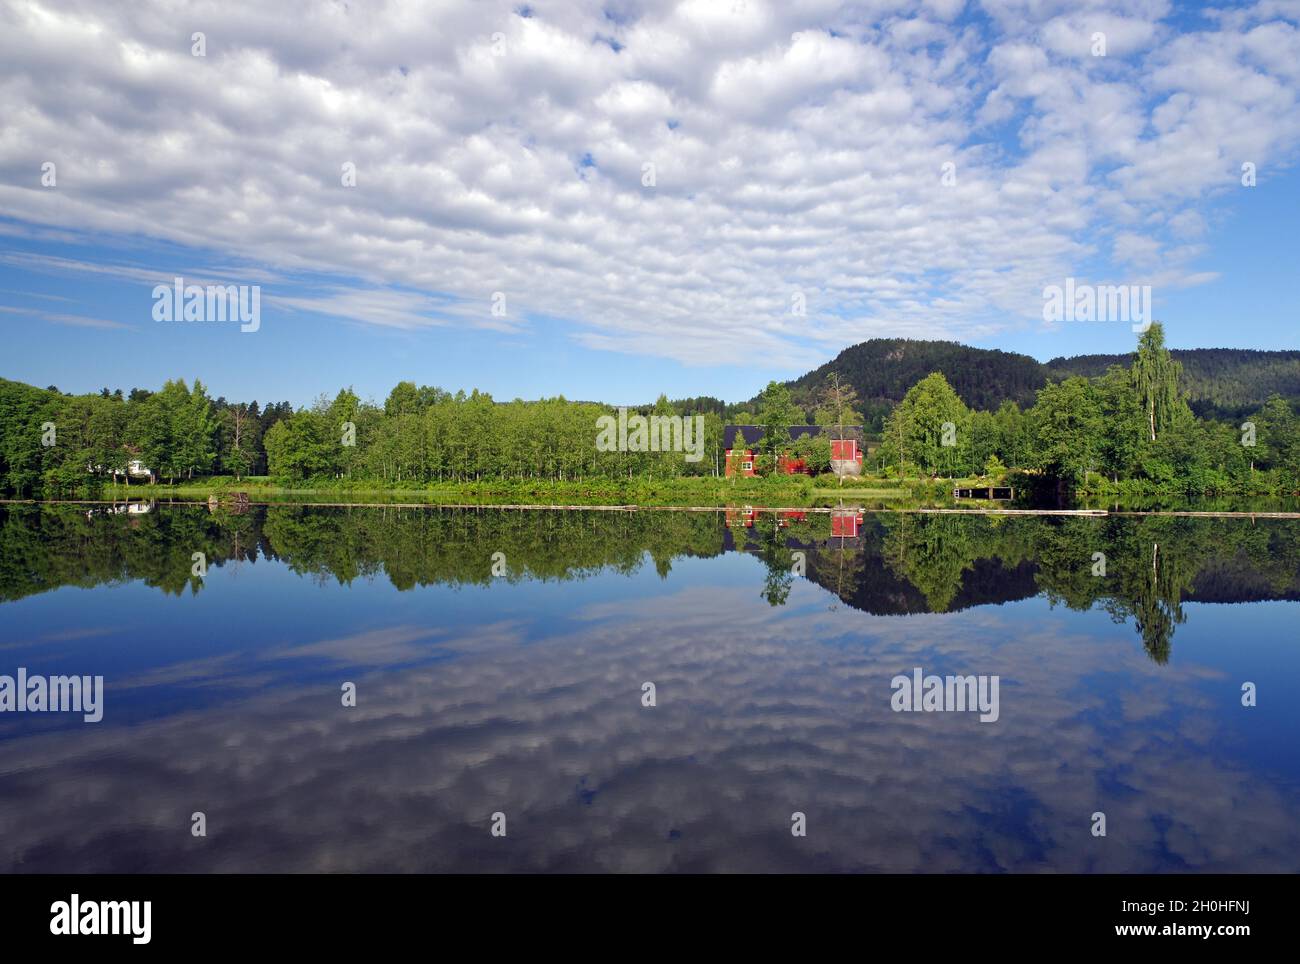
{"points": [[1218, 381]]}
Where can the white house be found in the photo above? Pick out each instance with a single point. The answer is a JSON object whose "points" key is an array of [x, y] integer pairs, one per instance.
{"points": [[134, 468]]}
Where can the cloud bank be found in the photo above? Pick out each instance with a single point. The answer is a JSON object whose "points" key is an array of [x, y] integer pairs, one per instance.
{"points": [[664, 176]]}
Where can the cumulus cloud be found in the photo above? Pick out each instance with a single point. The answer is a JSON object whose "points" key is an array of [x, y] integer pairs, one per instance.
{"points": [[793, 146]]}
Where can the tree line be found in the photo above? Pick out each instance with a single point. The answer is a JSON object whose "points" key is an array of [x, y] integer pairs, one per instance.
{"points": [[53, 442], [1128, 427], [56, 443]]}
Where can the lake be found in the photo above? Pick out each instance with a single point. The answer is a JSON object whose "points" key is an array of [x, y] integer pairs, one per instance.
{"points": [[503, 722]]}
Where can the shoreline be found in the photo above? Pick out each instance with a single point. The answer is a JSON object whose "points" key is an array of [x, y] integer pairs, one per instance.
{"points": [[533, 507]]}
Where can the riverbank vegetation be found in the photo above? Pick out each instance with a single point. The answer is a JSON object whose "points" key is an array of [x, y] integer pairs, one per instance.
{"points": [[1127, 433], [775, 490]]}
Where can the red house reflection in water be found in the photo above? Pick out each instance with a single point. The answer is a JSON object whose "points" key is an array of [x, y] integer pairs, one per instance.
{"points": [[846, 522], [740, 517]]}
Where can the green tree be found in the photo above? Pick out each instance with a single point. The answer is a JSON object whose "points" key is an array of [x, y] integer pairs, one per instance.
{"points": [[240, 438], [1068, 428], [158, 429], [1013, 434], [404, 399], [301, 446], [107, 437], [1276, 436], [340, 417], [1124, 423], [929, 427], [1155, 379], [195, 432], [737, 458], [777, 412]]}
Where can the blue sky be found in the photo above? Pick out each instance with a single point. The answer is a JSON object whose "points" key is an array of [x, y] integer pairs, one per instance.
{"points": [[795, 151]]}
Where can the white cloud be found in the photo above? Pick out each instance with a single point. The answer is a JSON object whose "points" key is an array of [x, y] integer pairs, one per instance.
{"points": [[795, 146]]}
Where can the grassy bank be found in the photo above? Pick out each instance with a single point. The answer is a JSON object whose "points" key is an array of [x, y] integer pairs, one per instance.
{"points": [[690, 491], [701, 491]]}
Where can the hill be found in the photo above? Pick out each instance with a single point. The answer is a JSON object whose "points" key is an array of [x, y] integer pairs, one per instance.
{"points": [[883, 369], [1219, 381]]}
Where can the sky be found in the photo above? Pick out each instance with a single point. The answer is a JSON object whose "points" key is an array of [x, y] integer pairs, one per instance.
{"points": [[612, 200]]}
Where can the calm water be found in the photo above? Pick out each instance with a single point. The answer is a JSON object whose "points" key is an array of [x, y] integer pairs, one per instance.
{"points": [[772, 643]]}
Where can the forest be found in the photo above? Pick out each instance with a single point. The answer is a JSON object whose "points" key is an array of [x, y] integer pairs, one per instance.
{"points": [[1218, 382], [1227, 382], [1125, 430], [881, 370]]}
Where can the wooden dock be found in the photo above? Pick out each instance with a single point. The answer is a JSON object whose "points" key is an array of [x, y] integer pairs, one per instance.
{"points": [[993, 493]]}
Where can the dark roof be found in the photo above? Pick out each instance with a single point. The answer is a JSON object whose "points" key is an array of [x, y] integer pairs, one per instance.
{"points": [[755, 432]]}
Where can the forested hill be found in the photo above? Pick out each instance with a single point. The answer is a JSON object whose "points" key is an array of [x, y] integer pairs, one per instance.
{"points": [[883, 369], [1214, 378]]}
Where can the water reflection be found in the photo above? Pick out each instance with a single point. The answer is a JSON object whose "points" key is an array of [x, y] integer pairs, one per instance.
{"points": [[521, 694]]}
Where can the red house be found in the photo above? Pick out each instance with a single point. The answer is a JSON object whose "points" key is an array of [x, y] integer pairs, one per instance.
{"points": [[846, 449], [743, 463]]}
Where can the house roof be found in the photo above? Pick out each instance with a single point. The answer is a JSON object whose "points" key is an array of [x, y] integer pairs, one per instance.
{"points": [[755, 432]]}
